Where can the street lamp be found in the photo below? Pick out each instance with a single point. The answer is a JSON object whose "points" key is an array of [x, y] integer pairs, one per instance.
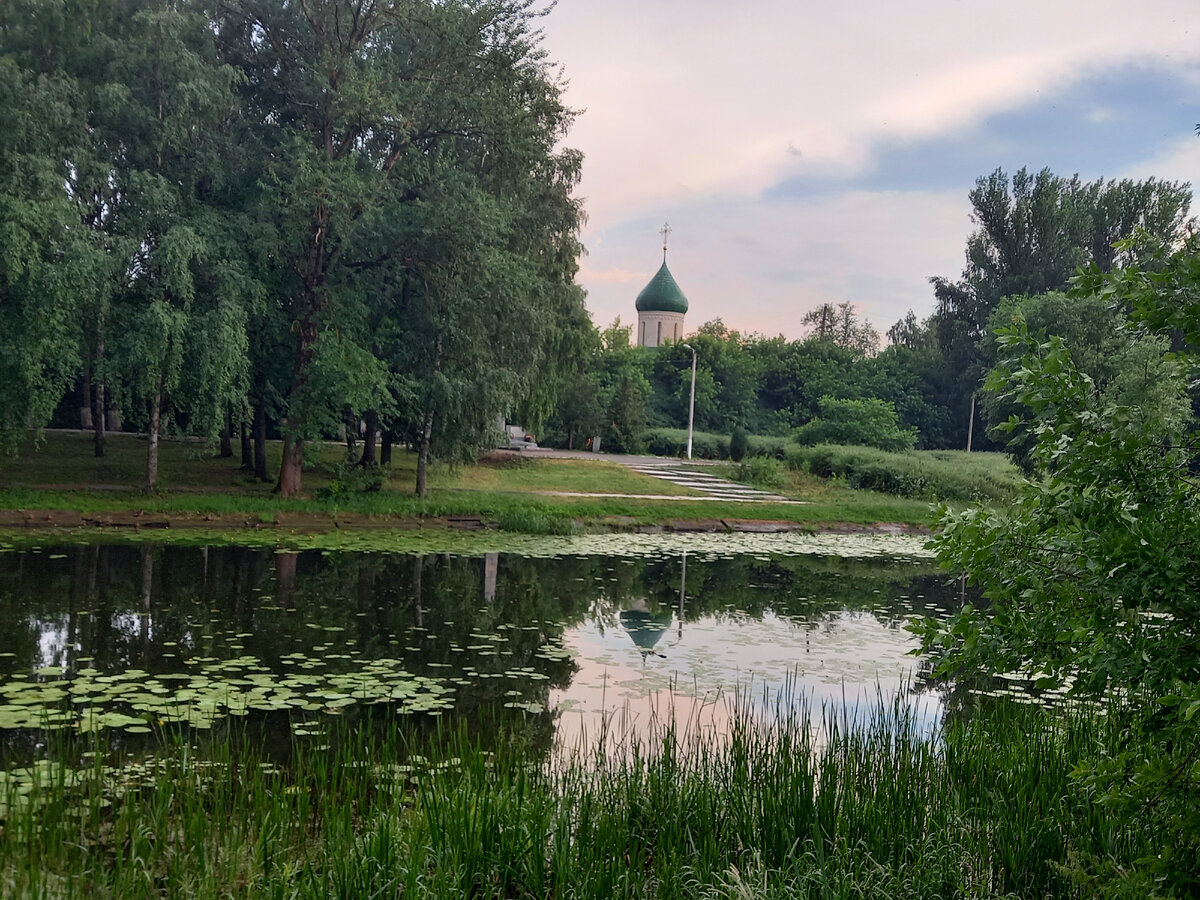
{"points": [[692, 401]]}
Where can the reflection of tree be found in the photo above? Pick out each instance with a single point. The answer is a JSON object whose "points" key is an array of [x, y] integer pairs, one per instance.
{"points": [[425, 610]]}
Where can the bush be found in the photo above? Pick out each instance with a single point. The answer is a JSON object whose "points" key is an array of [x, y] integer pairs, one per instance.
{"points": [[706, 445], [760, 471], [738, 444], [869, 423], [673, 442], [923, 474], [351, 478]]}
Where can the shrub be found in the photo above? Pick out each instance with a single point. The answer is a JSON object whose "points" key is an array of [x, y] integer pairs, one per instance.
{"points": [[760, 471], [352, 478], [673, 442], [923, 474], [706, 445], [869, 423], [738, 444]]}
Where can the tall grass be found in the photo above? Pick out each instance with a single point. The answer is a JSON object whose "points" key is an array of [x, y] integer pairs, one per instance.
{"points": [[867, 806], [925, 474]]}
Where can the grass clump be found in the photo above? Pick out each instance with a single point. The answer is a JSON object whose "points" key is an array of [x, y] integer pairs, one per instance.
{"points": [[921, 474], [857, 802], [760, 471]]}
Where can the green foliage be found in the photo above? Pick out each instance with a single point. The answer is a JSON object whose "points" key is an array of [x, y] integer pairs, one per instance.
{"points": [[924, 474], [738, 444], [841, 326], [673, 442], [1091, 578], [760, 471], [626, 417], [706, 445], [1035, 231], [350, 478], [1125, 366], [869, 423]]}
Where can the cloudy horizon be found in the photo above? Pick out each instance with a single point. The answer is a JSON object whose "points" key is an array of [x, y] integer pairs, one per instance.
{"points": [[804, 155]]}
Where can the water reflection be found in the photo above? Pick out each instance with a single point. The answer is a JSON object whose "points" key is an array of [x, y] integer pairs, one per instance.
{"points": [[562, 643]]}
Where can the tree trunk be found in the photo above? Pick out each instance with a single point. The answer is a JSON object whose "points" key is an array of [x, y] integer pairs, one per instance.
{"points": [[85, 401], [385, 450], [152, 442], [247, 448], [227, 435], [369, 459], [423, 455], [260, 442], [570, 439], [291, 467], [147, 586], [98, 419], [418, 568]]}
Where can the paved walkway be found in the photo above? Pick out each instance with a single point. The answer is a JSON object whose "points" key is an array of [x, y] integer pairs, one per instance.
{"points": [[676, 471], [717, 488]]}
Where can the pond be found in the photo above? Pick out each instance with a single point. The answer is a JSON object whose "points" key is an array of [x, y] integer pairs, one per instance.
{"points": [[559, 637]]}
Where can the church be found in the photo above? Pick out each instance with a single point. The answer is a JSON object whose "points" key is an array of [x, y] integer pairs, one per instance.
{"points": [[661, 306]]}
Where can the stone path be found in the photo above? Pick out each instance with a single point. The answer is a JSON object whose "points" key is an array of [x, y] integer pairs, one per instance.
{"points": [[673, 470], [717, 488]]}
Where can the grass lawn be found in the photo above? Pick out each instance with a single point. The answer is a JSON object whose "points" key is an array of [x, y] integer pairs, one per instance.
{"points": [[62, 474]]}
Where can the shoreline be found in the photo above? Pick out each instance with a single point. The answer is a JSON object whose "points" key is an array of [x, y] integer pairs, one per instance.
{"points": [[120, 522]]}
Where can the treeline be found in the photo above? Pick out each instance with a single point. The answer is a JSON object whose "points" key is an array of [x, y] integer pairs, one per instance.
{"points": [[258, 218], [261, 216], [1034, 233]]}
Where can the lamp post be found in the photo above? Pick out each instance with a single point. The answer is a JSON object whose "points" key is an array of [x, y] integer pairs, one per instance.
{"points": [[692, 401]]}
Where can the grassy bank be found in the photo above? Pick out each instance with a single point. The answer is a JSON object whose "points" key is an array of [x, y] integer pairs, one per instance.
{"points": [[876, 808], [510, 491], [942, 475]]}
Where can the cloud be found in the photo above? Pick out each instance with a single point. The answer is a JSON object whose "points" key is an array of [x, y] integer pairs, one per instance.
{"points": [[874, 249], [810, 152]]}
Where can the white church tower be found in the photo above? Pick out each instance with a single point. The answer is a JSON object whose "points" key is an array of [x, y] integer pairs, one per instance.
{"points": [[661, 306]]}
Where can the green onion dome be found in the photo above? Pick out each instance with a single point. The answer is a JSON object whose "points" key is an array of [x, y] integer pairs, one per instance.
{"points": [[662, 294]]}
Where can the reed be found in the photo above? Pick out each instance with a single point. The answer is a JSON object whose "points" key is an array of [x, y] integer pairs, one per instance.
{"points": [[792, 803]]}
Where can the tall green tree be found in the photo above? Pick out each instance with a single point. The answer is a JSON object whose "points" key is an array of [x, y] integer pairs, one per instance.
{"points": [[376, 111], [181, 316], [46, 262], [1034, 231]]}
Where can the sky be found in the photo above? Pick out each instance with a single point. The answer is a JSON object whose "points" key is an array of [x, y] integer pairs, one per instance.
{"points": [[809, 152]]}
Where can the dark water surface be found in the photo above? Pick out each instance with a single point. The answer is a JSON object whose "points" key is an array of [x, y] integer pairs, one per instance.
{"points": [[119, 639]]}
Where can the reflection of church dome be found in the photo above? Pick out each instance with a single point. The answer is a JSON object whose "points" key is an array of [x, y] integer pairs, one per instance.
{"points": [[644, 627]]}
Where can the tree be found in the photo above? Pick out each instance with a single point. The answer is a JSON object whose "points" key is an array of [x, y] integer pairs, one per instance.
{"points": [[579, 412], [45, 263], [1093, 578], [840, 325], [1125, 366], [626, 416], [181, 315], [372, 114], [136, 146], [1034, 232]]}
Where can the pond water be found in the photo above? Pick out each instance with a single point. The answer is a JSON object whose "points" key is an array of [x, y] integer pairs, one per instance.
{"points": [[563, 636]]}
